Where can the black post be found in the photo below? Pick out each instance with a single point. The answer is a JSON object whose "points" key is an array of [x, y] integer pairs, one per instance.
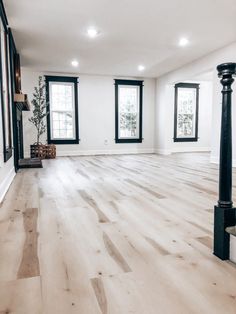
{"points": [[224, 211]]}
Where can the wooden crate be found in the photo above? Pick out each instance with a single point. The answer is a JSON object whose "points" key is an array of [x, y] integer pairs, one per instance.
{"points": [[38, 151], [50, 151]]}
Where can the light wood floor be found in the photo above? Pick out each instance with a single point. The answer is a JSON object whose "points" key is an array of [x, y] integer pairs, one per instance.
{"points": [[114, 234]]}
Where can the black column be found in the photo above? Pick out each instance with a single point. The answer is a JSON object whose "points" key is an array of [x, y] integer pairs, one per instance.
{"points": [[224, 211]]}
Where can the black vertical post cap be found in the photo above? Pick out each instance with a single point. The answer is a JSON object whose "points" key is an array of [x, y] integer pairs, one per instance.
{"points": [[226, 69]]}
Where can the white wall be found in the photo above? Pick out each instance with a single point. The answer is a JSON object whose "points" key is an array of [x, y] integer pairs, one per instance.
{"points": [[96, 117], [164, 100], [7, 170]]}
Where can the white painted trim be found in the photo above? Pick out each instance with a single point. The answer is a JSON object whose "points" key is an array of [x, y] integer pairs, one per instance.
{"points": [[61, 153], [233, 248], [182, 150], [4, 186], [104, 152], [162, 151], [1, 160], [215, 160], [190, 149]]}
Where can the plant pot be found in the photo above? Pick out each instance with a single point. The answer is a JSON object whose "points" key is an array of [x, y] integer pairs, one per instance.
{"points": [[50, 151], [38, 151]]}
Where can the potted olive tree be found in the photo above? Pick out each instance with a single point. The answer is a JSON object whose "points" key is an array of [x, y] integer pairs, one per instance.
{"points": [[40, 112]]}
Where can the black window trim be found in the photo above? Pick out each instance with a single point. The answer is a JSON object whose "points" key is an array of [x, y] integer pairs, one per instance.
{"points": [[7, 150], [133, 83], [66, 79], [186, 85]]}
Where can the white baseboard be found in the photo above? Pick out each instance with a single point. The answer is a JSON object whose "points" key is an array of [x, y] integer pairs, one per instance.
{"points": [[104, 152], [233, 248], [182, 150], [162, 151], [216, 160], [101, 152], [190, 149], [4, 186]]}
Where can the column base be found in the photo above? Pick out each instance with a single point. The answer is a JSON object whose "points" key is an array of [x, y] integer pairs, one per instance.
{"points": [[223, 218]]}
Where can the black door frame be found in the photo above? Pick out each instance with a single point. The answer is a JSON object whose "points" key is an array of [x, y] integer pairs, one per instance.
{"points": [[15, 88]]}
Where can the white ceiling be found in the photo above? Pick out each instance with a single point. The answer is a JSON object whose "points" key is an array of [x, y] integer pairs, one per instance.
{"points": [[50, 33]]}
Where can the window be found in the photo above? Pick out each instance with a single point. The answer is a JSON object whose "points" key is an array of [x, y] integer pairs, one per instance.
{"points": [[6, 96], [128, 116], [186, 112], [62, 120]]}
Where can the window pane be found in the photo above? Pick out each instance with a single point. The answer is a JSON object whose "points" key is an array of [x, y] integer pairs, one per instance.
{"points": [[62, 96], [62, 125], [128, 111], [186, 113]]}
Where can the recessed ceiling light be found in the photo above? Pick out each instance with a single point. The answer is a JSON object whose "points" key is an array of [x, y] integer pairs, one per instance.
{"points": [[74, 63], [92, 32], [183, 42], [141, 67]]}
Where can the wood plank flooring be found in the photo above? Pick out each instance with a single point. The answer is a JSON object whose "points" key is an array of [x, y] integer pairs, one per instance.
{"points": [[114, 235]]}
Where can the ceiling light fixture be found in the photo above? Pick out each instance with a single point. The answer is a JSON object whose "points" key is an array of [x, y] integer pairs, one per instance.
{"points": [[141, 67], [183, 42], [74, 63], [92, 32]]}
